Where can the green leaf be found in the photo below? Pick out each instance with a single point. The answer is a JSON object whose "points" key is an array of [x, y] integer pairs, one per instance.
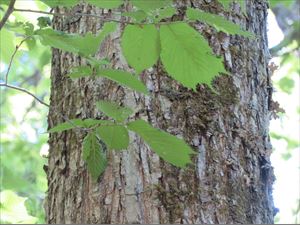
{"points": [[54, 3], [96, 63], [88, 123], [4, 2], [138, 15], [85, 45], [93, 155], [219, 22], [73, 123], [7, 39], [43, 21], [107, 4], [140, 46], [10, 203], [114, 111], [80, 71], [286, 84], [150, 5], [165, 13], [167, 146], [187, 56], [115, 137], [124, 78], [226, 3]]}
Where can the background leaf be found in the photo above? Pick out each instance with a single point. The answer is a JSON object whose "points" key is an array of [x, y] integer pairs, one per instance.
{"points": [[140, 46], [124, 78], [115, 137], [7, 39], [114, 111], [167, 146], [93, 155], [187, 57], [219, 22]]}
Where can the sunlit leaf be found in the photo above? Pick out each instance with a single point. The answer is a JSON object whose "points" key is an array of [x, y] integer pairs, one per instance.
{"points": [[7, 39], [138, 15], [167, 146], [77, 123], [85, 45], [115, 136], [13, 209], [219, 22], [54, 3], [123, 78], [286, 84], [113, 110], [80, 71], [165, 13], [140, 46], [187, 56], [93, 155]]}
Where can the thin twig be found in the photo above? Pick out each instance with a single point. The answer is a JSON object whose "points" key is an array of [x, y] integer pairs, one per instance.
{"points": [[76, 14], [43, 103], [90, 15], [12, 58], [8, 12], [25, 91]]}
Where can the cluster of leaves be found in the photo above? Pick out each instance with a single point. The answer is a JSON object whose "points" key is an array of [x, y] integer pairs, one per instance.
{"points": [[115, 136], [152, 35]]}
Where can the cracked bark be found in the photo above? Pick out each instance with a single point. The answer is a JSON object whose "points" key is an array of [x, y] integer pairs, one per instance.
{"points": [[231, 181]]}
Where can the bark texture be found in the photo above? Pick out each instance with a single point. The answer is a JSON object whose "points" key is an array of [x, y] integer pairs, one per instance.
{"points": [[231, 181]]}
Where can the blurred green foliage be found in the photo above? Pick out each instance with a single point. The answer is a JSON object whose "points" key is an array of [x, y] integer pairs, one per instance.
{"points": [[286, 83], [23, 122]]}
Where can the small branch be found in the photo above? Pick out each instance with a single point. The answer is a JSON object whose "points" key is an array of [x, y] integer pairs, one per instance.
{"points": [[12, 57], [8, 12], [25, 91], [88, 15], [75, 14]]}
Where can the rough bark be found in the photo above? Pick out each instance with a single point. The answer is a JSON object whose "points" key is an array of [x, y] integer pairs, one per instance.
{"points": [[231, 181]]}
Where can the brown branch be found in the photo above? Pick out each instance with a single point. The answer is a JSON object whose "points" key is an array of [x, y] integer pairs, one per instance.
{"points": [[75, 14], [43, 103], [25, 91], [12, 58], [8, 12], [89, 15]]}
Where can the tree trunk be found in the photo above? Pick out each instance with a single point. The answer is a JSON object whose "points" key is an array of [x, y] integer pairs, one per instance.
{"points": [[231, 181]]}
